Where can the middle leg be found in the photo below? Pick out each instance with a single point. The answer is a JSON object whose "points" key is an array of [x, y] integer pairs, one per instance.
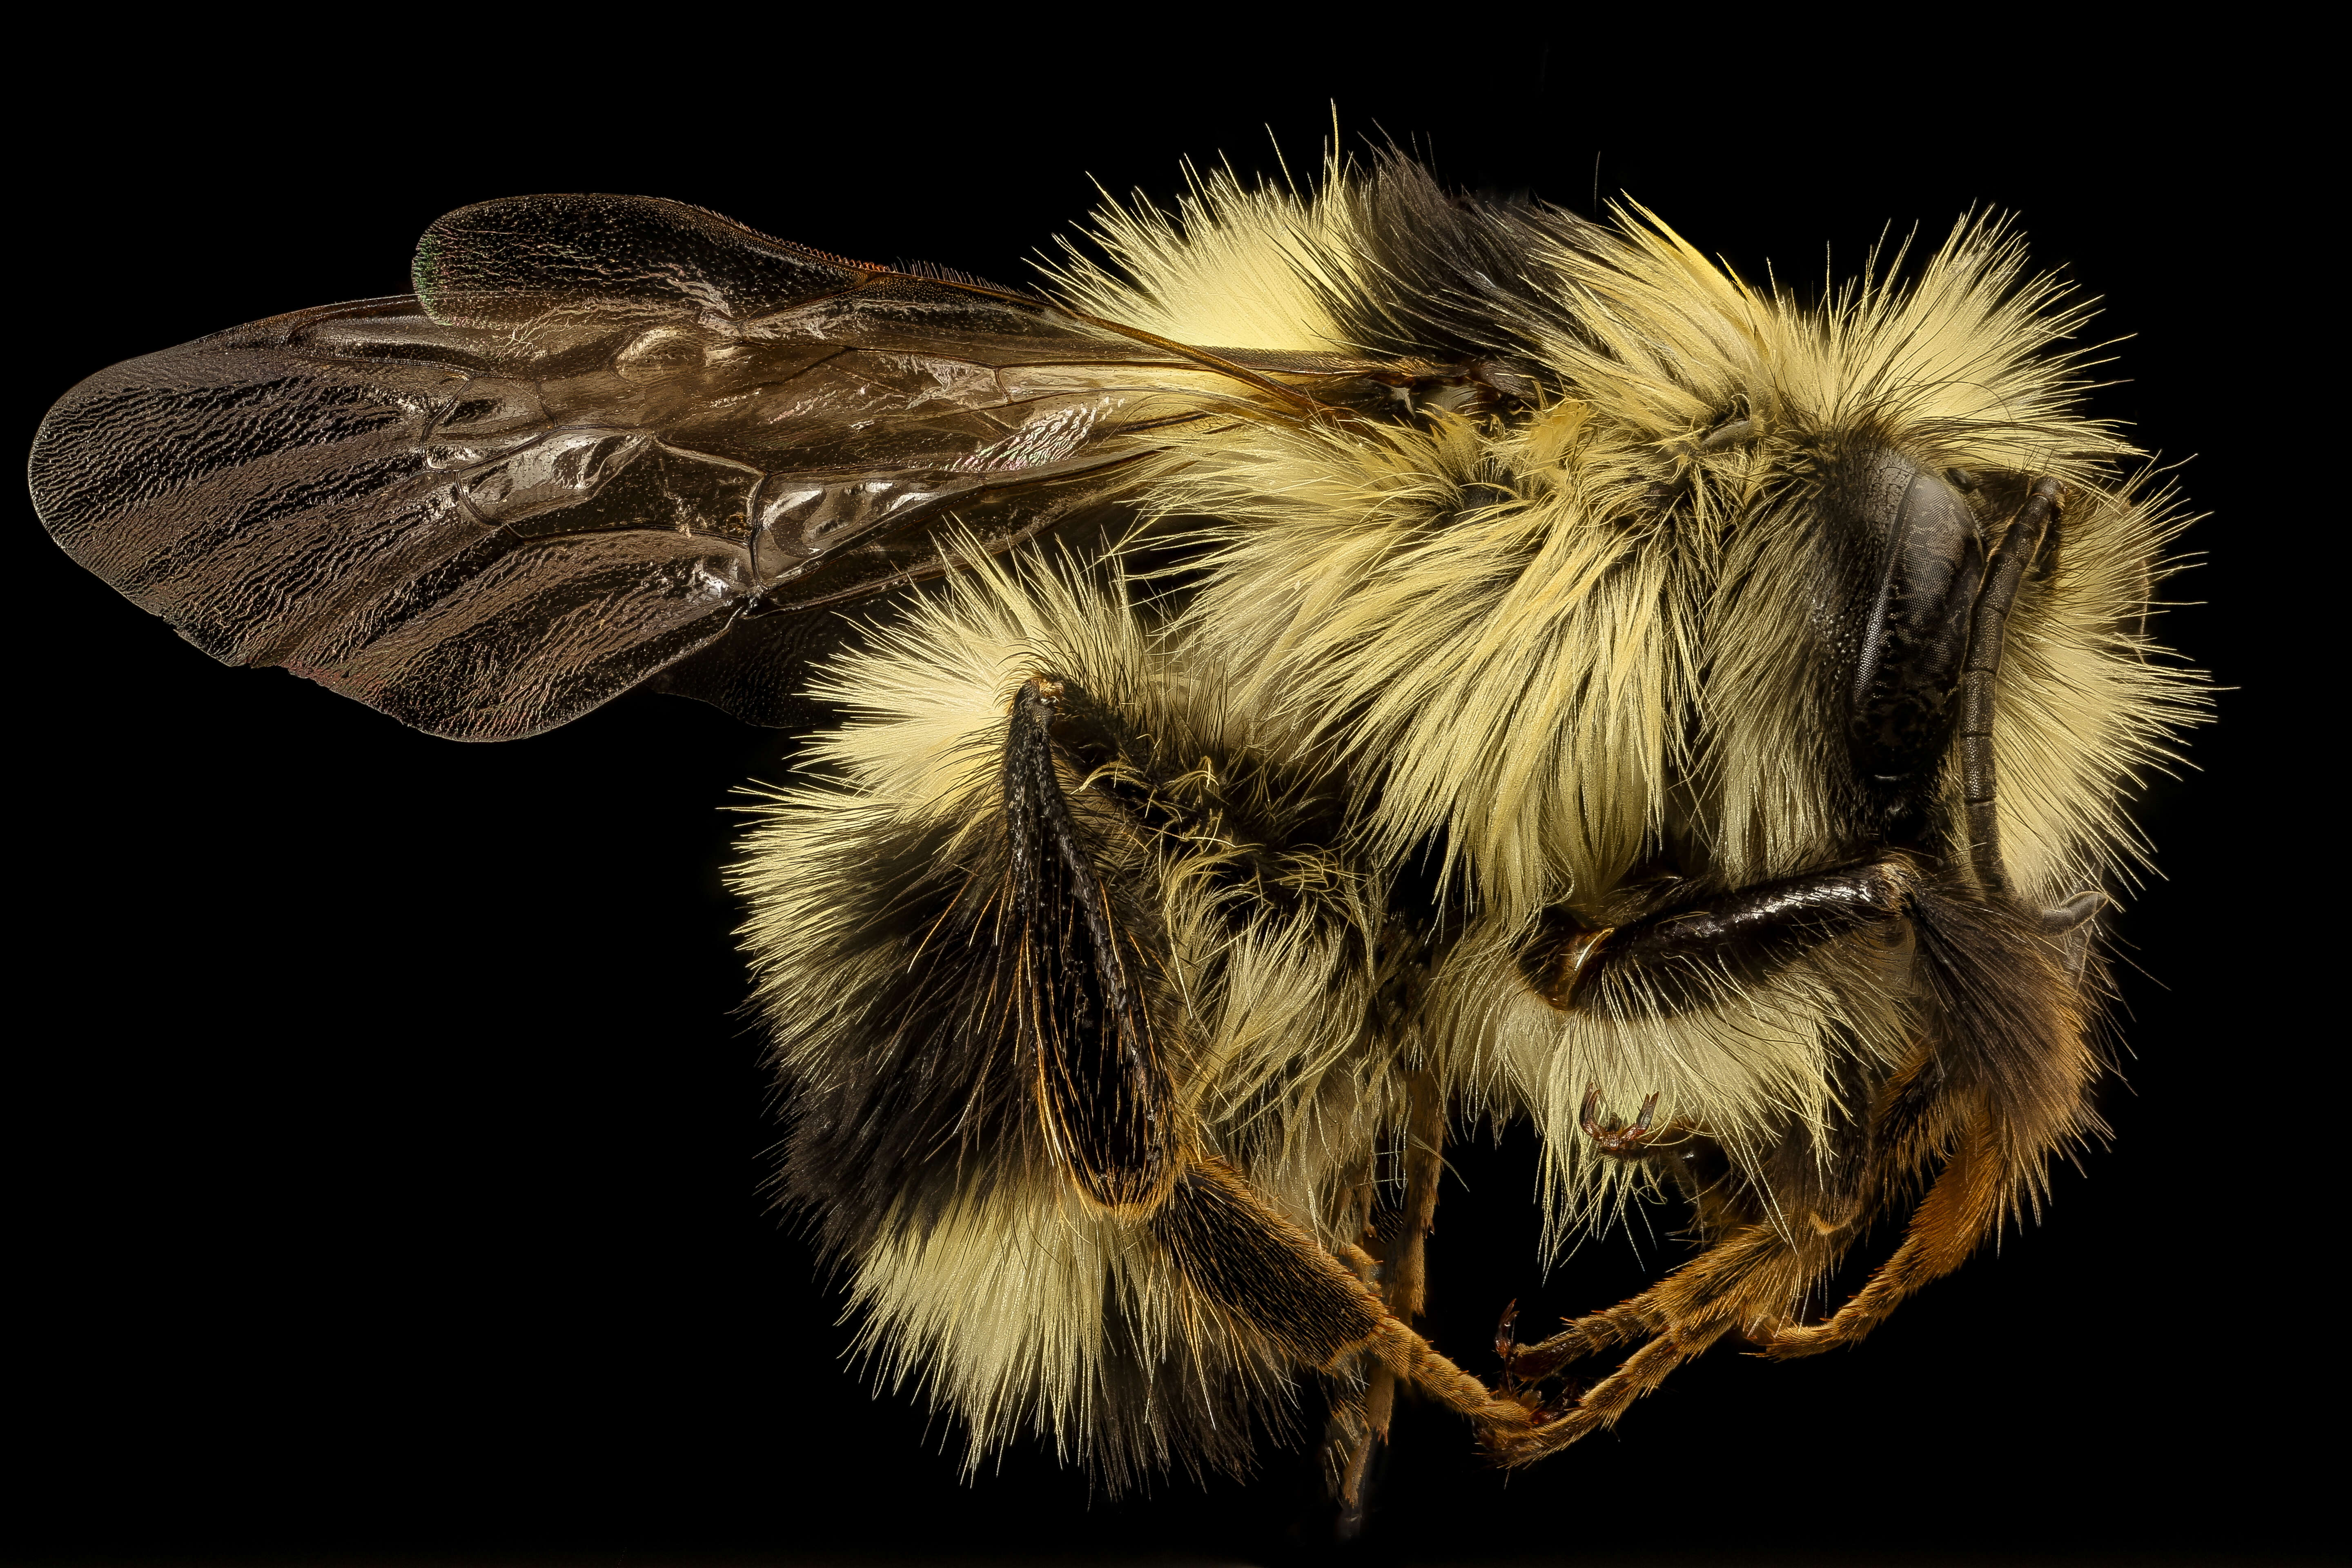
{"points": [[1403, 1284]]}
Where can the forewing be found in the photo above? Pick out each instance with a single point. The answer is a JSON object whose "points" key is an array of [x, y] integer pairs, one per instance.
{"points": [[604, 434]]}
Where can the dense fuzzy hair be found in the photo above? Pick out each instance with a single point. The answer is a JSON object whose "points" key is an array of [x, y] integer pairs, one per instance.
{"points": [[1575, 649]]}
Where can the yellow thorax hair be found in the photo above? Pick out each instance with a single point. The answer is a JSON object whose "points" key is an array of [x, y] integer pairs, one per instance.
{"points": [[1538, 637]]}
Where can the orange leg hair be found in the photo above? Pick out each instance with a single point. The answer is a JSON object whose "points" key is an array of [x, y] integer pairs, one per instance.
{"points": [[1753, 1282]]}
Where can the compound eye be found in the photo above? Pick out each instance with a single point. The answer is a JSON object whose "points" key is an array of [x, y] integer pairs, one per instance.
{"points": [[1921, 564]]}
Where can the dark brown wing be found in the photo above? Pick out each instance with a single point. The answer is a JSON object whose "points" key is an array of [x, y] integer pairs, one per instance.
{"points": [[604, 433]]}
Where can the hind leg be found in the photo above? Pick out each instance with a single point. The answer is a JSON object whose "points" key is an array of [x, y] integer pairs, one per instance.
{"points": [[1240, 1252], [1084, 966]]}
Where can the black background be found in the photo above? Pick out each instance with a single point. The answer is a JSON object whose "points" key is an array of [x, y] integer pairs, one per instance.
{"points": [[390, 1144]]}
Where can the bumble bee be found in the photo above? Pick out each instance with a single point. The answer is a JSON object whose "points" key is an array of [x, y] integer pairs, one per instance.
{"points": [[1333, 667]]}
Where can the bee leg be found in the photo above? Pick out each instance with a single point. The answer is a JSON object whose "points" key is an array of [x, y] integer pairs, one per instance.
{"points": [[1728, 1273], [1349, 1438], [1359, 1426], [1996, 1084], [1608, 1399], [1082, 982], [1402, 1281], [1257, 1264], [1407, 1274], [1354, 1476], [1747, 1283], [1778, 1236], [1753, 1281], [2015, 1038], [1963, 1208], [1078, 947]]}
